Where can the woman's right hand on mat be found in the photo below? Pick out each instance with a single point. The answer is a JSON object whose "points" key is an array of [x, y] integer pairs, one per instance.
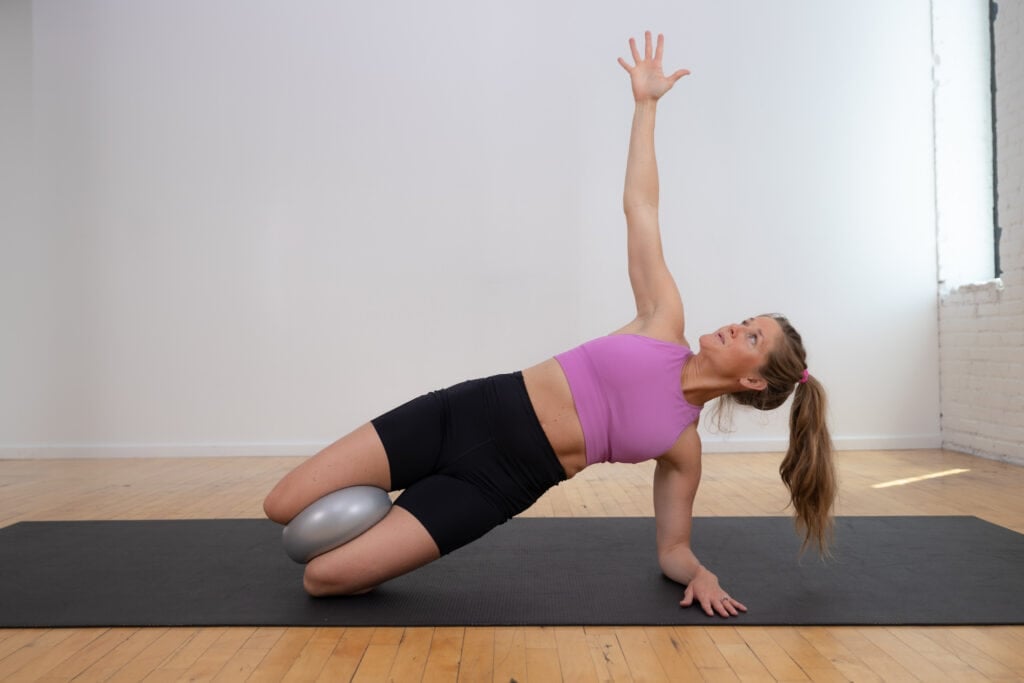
{"points": [[713, 600]]}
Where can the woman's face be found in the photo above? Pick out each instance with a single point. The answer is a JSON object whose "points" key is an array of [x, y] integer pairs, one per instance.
{"points": [[740, 350]]}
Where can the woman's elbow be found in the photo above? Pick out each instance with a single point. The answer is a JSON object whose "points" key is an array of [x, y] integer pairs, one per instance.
{"points": [[668, 558]]}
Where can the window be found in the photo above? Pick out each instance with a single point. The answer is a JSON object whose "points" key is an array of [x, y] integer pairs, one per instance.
{"points": [[996, 230], [964, 125]]}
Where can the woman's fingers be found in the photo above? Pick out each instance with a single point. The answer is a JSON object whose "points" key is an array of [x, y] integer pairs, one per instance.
{"points": [[632, 48], [730, 608], [625, 65], [648, 55], [723, 607], [679, 74], [708, 606]]}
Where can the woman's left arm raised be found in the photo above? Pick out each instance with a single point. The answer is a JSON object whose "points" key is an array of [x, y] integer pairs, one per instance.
{"points": [[658, 302], [676, 478]]}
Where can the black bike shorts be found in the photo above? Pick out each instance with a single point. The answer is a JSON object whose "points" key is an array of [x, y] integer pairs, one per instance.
{"points": [[469, 457]]}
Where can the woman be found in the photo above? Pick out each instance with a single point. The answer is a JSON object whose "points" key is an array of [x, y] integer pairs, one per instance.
{"points": [[472, 456]]}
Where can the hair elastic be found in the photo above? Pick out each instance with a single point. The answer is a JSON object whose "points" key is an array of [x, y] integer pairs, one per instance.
{"points": [[803, 377]]}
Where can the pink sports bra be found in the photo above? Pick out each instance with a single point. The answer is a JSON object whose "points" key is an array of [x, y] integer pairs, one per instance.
{"points": [[629, 397]]}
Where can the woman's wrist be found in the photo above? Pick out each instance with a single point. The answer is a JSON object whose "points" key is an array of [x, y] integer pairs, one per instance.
{"points": [[701, 569]]}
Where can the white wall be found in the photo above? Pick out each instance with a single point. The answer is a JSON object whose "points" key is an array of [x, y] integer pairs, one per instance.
{"points": [[982, 325], [251, 226]]}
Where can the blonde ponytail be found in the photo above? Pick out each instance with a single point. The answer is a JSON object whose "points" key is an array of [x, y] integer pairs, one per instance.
{"points": [[807, 470]]}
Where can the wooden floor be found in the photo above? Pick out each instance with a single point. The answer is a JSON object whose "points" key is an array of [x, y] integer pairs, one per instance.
{"points": [[873, 483]]}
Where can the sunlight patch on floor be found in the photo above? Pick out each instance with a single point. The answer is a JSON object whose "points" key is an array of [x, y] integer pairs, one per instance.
{"points": [[911, 480]]}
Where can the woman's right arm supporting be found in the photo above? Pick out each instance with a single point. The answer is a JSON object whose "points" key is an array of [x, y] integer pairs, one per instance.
{"points": [[676, 478]]}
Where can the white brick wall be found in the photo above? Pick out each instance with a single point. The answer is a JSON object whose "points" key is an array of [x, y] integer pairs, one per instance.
{"points": [[981, 327]]}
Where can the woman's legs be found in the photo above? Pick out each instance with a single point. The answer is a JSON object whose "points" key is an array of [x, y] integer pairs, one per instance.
{"points": [[397, 544], [434, 515], [394, 546], [468, 458], [353, 460]]}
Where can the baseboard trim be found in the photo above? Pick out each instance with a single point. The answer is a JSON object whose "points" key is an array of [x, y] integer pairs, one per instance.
{"points": [[713, 443], [1002, 456], [194, 450], [728, 444]]}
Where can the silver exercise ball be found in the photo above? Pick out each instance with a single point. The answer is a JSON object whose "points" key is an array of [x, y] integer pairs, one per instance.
{"points": [[333, 520]]}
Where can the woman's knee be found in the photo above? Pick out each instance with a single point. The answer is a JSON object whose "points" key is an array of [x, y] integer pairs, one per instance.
{"points": [[276, 506], [320, 581], [398, 544], [356, 459]]}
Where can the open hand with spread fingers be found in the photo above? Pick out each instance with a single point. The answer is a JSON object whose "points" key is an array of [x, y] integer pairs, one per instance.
{"points": [[648, 80]]}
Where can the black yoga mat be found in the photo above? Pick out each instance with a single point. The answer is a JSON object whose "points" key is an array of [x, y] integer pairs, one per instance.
{"points": [[578, 571]]}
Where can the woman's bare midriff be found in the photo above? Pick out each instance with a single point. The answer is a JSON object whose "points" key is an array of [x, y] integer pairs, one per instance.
{"points": [[552, 401]]}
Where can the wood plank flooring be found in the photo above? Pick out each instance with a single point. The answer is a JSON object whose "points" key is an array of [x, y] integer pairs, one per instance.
{"points": [[923, 482]]}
